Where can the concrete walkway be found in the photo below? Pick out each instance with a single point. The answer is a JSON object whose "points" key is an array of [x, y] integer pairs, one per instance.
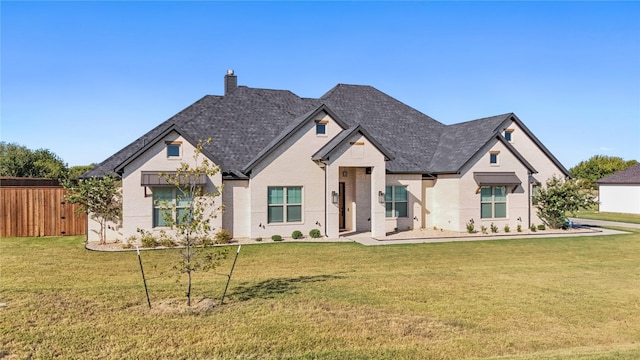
{"points": [[592, 227]]}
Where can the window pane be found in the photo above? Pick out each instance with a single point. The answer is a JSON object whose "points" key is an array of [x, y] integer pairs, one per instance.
{"points": [[485, 194], [400, 193], [158, 218], [401, 209], [294, 213], [388, 193], [275, 195], [173, 150], [294, 195], [162, 194], [321, 129], [182, 215], [500, 194], [388, 209], [493, 158], [501, 210], [507, 135], [485, 211], [275, 214]]}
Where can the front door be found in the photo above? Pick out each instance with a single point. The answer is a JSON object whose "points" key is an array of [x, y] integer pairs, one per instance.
{"points": [[341, 206]]}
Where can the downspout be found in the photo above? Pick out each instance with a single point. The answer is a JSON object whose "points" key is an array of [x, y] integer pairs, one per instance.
{"points": [[529, 197]]}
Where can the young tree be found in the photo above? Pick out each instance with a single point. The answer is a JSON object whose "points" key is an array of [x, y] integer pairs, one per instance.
{"points": [[191, 224], [101, 198], [599, 166], [560, 197]]}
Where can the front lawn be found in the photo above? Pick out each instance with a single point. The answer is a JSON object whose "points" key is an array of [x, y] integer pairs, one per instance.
{"points": [[596, 215], [559, 298]]}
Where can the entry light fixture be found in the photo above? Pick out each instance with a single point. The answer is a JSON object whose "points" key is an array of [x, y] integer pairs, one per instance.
{"points": [[380, 196], [334, 197]]}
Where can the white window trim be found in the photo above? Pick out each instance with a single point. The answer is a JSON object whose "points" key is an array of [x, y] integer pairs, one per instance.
{"points": [[394, 201], [285, 204]]}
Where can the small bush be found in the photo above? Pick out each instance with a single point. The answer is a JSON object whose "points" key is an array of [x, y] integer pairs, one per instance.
{"points": [[533, 228], [483, 229], [223, 237], [165, 240], [507, 228], [471, 228], [127, 245], [258, 239], [297, 234], [541, 227], [315, 233], [494, 229], [147, 239], [519, 228], [276, 238]]}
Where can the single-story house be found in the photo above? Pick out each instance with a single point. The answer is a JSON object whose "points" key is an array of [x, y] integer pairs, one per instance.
{"points": [[354, 159], [620, 192]]}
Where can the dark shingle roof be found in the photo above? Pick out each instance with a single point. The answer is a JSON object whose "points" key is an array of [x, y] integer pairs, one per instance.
{"points": [[630, 175], [248, 122]]}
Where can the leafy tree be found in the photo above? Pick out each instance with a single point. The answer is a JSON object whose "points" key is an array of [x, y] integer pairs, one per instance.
{"points": [[19, 161], [76, 171], [559, 197], [599, 166], [101, 198], [192, 227]]}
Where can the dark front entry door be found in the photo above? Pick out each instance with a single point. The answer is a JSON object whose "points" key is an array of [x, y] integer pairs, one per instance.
{"points": [[341, 206]]}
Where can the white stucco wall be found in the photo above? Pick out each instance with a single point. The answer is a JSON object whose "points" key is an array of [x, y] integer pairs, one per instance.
{"points": [[236, 217], [619, 198], [137, 209]]}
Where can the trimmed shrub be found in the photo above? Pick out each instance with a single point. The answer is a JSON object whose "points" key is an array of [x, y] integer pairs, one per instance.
{"points": [[276, 238], [147, 239], [223, 237], [541, 227], [507, 228], [297, 234], [315, 233], [258, 239], [471, 228], [519, 228], [533, 228]]}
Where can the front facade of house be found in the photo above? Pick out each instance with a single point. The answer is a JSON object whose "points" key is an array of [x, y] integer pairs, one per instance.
{"points": [[354, 160]]}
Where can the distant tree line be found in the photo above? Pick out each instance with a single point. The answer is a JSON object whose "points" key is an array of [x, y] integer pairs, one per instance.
{"points": [[599, 166], [19, 161]]}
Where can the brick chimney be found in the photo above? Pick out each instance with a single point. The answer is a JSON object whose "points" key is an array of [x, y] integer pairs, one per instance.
{"points": [[230, 82]]}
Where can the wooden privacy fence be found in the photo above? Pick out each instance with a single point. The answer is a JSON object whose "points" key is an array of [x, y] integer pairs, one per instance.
{"points": [[39, 211]]}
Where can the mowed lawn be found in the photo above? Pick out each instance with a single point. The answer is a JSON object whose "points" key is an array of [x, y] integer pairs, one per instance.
{"points": [[556, 298]]}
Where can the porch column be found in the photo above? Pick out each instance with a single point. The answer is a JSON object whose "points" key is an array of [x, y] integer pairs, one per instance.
{"points": [[378, 183], [333, 222]]}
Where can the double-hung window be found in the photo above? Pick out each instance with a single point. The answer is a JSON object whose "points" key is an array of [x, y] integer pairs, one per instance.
{"points": [[284, 204], [169, 203], [493, 202], [396, 203]]}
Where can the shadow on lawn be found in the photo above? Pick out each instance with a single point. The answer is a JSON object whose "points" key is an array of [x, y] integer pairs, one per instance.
{"points": [[270, 288]]}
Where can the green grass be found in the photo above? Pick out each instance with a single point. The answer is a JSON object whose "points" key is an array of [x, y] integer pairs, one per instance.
{"points": [[596, 215], [556, 298]]}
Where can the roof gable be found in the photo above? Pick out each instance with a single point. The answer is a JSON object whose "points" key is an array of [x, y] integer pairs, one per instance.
{"points": [[288, 132], [326, 151]]}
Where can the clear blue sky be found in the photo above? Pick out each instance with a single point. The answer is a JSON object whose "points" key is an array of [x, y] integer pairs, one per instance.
{"points": [[84, 79]]}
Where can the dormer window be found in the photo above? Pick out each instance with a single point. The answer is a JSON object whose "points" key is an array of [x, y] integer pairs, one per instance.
{"points": [[493, 158], [508, 135], [321, 127], [173, 149]]}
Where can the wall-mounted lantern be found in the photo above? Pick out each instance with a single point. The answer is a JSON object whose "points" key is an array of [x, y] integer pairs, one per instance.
{"points": [[334, 197], [380, 197]]}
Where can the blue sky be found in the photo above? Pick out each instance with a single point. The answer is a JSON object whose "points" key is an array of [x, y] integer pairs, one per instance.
{"points": [[84, 79]]}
